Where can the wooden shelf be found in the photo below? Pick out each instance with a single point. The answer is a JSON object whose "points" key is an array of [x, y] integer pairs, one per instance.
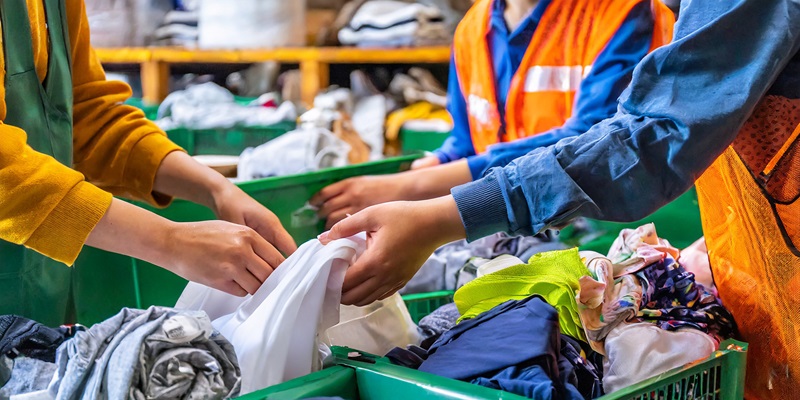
{"points": [[314, 62]]}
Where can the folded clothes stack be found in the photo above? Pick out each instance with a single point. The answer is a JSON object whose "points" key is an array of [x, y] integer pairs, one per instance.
{"points": [[387, 23], [178, 29]]}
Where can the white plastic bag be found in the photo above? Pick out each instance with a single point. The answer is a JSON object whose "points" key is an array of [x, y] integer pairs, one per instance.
{"points": [[376, 328], [274, 332]]}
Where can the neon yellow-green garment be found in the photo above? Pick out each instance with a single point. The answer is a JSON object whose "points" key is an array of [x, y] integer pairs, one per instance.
{"points": [[553, 275]]}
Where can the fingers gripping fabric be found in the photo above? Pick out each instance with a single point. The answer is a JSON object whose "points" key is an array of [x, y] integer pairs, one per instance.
{"points": [[275, 330]]}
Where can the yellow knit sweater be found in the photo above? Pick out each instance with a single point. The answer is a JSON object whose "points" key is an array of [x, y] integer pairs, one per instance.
{"points": [[49, 207]]}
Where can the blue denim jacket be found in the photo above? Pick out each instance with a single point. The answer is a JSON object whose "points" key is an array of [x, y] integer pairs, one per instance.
{"points": [[684, 107]]}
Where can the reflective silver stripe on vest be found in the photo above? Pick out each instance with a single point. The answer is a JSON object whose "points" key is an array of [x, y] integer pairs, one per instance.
{"points": [[555, 79]]}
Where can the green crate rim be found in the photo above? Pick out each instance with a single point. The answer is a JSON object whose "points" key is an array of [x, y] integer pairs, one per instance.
{"points": [[277, 182]]}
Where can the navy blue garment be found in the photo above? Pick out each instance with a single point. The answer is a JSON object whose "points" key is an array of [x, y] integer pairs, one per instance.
{"points": [[410, 357], [22, 336], [587, 371], [514, 347]]}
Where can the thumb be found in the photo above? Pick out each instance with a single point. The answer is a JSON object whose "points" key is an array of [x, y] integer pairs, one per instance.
{"points": [[347, 227]]}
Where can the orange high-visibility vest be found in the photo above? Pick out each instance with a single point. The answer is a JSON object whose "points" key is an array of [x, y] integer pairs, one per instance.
{"points": [[569, 37], [750, 208]]}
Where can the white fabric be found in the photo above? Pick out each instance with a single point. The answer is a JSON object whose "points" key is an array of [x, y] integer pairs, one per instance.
{"points": [[369, 117], [209, 106], [386, 13], [299, 151], [428, 125], [176, 30], [376, 328], [386, 21], [349, 36], [498, 264], [639, 351], [40, 395], [181, 17], [252, 23], [559, 79], [274, 332], [120, 23]]}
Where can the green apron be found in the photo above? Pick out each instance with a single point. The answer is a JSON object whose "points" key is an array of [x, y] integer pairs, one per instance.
{"points": [[31, 284]]}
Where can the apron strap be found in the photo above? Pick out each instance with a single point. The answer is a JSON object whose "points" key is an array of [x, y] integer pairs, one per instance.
{"points": [[58, 83], [16, 36]]}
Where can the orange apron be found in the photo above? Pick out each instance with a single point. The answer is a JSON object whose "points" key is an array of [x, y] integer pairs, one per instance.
{"points": [[751, 220]]}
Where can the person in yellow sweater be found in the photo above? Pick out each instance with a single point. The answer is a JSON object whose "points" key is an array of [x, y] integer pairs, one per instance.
{"points": [[69, 144]]}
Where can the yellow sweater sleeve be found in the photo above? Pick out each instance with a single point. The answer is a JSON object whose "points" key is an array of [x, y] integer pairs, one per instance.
{"points": [[116, 147], [49, 207]]}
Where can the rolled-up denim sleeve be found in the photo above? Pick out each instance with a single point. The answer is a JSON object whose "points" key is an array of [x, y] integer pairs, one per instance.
{"points": [[685, 105], [459, 144], [597, 96]]}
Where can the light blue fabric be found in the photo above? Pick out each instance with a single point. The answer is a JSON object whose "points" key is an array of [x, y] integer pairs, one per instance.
{"points": [[124, 361], [158, 353], [596, 97], [685, 105]]}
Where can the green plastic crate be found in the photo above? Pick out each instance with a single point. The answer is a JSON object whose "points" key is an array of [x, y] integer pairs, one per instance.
{"points": [[411, 141], [105, 282], [150, 111], [721, 376], [421, 304], [229, 141]]}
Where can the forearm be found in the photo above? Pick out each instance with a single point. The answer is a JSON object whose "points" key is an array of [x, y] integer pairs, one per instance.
{"points": [[674, 120], [443, 211], [133, 231], [181, 176], [429, 183]]}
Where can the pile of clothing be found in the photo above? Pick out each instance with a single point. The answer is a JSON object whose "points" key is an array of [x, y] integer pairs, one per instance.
{"points": [[129, 23], [341, 129], [209, 106], [350, 126], [158, 353], [389, 23], [570, 325], [644, 310], [453, 265], [180, 27], [563, 325]]}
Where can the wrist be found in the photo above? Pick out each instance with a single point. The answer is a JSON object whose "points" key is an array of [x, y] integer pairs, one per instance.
{"points": [[445, 219], [162, 244], [217, 191]]}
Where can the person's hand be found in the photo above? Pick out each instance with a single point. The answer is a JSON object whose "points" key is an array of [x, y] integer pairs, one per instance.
{"points": [[425, 162], [181, 176], [223, 255], [400, 237], [234, 205], [352, 195], [226, 256]]}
